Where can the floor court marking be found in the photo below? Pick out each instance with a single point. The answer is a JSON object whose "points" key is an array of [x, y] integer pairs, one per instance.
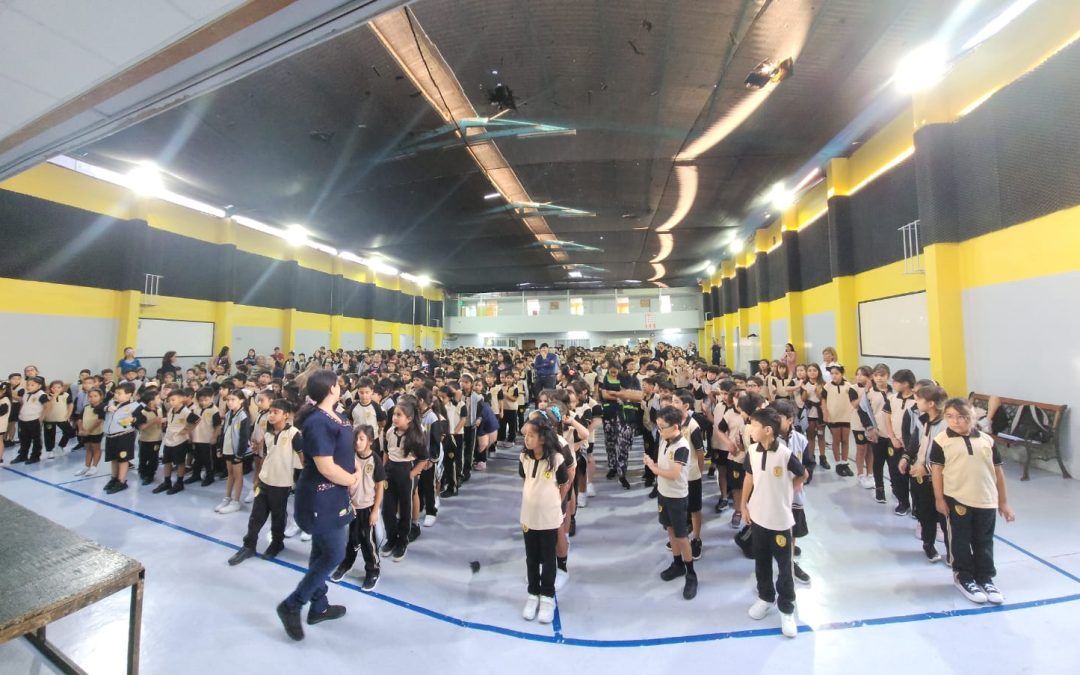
{"points": [[559, 638]]}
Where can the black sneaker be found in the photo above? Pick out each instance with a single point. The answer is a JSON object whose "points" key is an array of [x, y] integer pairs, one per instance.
{"points": [[970, 590], [165, 485], [625, 483], [902, 509], [879, 495], [329, 614], [801, 576], [147, 480], [240, 556], [399, 552], [649, 481], [667, 545], [654, 493], [18, 460], [387, 549], [824, 463], [178, 486], [193, 478], [447, 493], [339, 573], [294, 627], [414, 532], [111, 484], [695, 548], [797, 551], [690, 586], [117, 487], [932, 555], [721, 505], [208, 481], [369, 582], [611, 474], [272, 551], [33, 460], [712, 470], [675, 570]]}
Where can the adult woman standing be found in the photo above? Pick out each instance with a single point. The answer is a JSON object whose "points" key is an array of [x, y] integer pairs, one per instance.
{"points": [[129, 362], [168, 365], [224, 359], [322, 501]]}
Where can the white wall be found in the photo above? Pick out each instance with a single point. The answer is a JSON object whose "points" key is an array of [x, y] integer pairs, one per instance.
{"points": [[592, 339], [307, 341], [353, 340], [60, 346], [405, 341], [819, 331], [383, 341], [686, 320], [260, 338], [780, 337], [1019, 343]]}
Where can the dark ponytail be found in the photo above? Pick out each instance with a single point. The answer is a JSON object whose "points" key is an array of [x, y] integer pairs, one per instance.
{"points": [[319, 384], [413, 441]]}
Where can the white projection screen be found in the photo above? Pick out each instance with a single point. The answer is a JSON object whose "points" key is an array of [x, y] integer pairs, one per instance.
{"points": [[895, 327], [186, 338]]}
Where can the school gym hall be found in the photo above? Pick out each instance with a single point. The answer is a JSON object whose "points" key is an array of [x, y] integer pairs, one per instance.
{"points": [[472, 336]]}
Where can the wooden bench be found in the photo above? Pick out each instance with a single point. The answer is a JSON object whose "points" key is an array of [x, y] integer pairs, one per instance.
{"points": [[1050, 449], [50, 572]]}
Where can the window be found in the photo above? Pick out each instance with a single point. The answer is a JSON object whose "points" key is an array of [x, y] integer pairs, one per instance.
{"points": [[490, 308], [533, 307], [622, 305], [577, 306], [469, 311], [665, 304]]}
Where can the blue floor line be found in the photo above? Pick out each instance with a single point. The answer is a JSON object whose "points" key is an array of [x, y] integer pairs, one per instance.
{"points": [[558, 638]]}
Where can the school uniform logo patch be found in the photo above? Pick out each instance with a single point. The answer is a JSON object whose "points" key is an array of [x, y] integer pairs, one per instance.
{"points": [[659, 508], [961, 510], [735, 474], [123, 454], [547, 475], [524, 528], [369, 469], [781, 540], [777, 471], [891, 452]]}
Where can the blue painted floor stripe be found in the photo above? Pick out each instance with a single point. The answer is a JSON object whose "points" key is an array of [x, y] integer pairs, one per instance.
{"points": [[559, 638]]}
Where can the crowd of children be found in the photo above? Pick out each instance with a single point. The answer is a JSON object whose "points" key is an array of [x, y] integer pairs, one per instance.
{"points": [[426, 421]]}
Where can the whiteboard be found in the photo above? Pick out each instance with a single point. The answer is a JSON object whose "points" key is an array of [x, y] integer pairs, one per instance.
{"points": [[895, 327], [186, 338], [383, 341]]}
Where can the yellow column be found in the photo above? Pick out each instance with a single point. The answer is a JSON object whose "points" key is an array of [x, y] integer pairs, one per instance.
{"points": [[288, 330], [842, 289], [127, 320], [948, 364], [223, 326], [337, 268]]}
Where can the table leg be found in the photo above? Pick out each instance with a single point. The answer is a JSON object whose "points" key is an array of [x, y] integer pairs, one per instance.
{"points": [[135, 625], [49, 651]]}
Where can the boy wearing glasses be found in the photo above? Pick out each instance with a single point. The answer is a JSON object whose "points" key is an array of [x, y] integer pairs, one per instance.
{"points": [[672, 470]]}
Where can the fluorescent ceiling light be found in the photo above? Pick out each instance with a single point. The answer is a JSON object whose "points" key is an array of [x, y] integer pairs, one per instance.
{"points": [[1000, 21], [921, 69], [145, 180], [423, 281], [736, 246], [781, 197], [814, 173], [492, 195], [574, 274], [296, 235], [352, 257], [710, 269], [671, 331], [632, 281]]}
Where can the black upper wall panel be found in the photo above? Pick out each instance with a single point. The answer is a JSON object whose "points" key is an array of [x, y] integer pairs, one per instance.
{"points": [[777, 273], [742, 288], [761, 277], [814, 255], [189, 268], [261, 281], [46, 241], [313, 291], [435, 313], [877, 212]]}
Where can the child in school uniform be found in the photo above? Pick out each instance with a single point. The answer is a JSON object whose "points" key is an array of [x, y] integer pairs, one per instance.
{"points": [[366, 503], [122, 421], [235, 446], [896, 408], [31, 412], [839, 400], [545, 484], [5, 411], [969, 489], [796, 441], [773, 475], [406, 457], [864, 427], [57, 416], [149, 434], [15, 392], [930, 402], [815, 426], [204, 437], [89, 429], [178, 422], [510, 398], [691, 431], [672, 475], [283, 446]]}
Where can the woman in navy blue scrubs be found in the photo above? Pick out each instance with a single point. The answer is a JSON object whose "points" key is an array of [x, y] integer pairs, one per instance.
{"points": [[322, 501]]}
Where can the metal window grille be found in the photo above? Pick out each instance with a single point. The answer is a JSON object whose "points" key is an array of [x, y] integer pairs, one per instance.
{"points": [[913, 255], [151, 289]]}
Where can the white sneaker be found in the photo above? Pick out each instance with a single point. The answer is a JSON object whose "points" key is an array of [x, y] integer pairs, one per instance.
{"points": [[231, 507], [788, 626], [759, 609], [429, 521], [222, 504], [292, 529], [867, 482], [532, 606], [249, 497], [49, 454], [82, 471], [590, 490], [546, 614], [305, 536], [583, 499], [561, 577], [91, 471]]}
